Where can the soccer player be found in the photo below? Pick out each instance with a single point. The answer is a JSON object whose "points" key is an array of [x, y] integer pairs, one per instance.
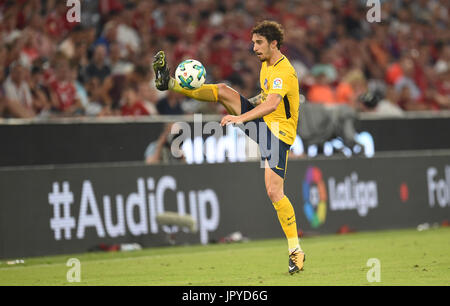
{"points": [[274, 111]]}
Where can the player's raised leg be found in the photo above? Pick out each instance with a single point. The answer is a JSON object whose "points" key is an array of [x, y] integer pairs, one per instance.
{"points": [[221, 93], [286, 216]]}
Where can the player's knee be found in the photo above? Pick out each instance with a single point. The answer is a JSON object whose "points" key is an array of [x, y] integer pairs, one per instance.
{"points": [[274, 193], [222, 86], [227, 92], [222, 90]]}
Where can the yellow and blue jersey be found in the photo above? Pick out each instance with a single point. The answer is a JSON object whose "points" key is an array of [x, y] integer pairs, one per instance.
{"points": [[281, 78]]}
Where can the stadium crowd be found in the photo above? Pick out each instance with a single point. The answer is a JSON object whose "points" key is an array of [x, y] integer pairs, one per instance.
{"points": [[101, 66]]}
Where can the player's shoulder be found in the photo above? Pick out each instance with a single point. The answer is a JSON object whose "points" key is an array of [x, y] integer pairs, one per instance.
{"points": [[287, 64], [285, 67]]}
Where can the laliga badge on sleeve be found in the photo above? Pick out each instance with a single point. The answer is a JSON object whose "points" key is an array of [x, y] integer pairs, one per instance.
{"points": [[277, 84]]}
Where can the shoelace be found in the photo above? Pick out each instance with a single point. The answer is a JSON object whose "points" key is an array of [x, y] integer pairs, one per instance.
{"points": [[294, 257]]}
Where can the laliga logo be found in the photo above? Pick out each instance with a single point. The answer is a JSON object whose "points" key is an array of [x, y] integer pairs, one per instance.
{"points": [[349, 194], [314, 197]]}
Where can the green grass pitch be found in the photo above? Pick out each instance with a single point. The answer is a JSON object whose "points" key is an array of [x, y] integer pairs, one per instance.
{"points": [[407, 257]]}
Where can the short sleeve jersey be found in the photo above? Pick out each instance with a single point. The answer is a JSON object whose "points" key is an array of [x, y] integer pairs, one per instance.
{"points": [[281, 78]]}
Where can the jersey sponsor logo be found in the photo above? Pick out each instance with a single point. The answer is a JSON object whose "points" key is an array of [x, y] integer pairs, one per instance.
{"points": [[277, 84]]}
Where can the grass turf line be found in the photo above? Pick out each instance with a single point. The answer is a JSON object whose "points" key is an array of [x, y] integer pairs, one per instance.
{"points": [[407, 257]]}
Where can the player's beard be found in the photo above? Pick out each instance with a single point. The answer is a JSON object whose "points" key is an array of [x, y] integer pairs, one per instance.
{"points": [[264, 56]]}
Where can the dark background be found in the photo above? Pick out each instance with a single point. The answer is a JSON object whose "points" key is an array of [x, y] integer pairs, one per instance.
{"points": [[59, 143]]}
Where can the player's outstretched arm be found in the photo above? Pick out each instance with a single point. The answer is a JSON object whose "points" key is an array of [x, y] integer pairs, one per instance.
{"points": [[271, 104]]}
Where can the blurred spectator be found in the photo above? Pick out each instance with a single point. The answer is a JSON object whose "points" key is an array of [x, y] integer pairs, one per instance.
{"points": [[132, 105], [170, 105], [18, 93], [375, 101], [39, 91], [96, 95], [62, 84], [350, 88], [138, 77], [221, 55], [91, 107], [160, 151], [146, 91], [68, 46], [407, 87], [127, 36], [98, 67], [80, 60], [119, 64], [56, 22], [46, 47], [321, 91], [108, 6], [335, 51], [108, 35], [10, 27]]}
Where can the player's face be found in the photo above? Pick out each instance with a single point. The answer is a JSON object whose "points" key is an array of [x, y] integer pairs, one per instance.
{"points": [[261, 47]]}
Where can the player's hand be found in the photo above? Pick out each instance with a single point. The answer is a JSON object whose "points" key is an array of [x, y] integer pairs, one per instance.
{"points": [[230, 119]]}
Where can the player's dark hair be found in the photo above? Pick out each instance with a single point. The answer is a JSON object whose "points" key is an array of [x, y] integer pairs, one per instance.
{"points": [[271, 30]]}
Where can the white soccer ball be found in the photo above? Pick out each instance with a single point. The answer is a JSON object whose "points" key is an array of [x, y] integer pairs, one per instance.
{"points": [[190, 74]]}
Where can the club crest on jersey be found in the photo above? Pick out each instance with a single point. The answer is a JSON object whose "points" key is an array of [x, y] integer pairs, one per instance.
{"points": [[277, 83], [265, 84]]}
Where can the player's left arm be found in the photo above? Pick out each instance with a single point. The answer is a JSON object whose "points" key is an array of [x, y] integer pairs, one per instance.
{"points": [[263, 109], [256, 100]]}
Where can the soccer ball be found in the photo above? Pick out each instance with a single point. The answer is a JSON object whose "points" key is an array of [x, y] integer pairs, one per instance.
{"points": [[190, 74]]}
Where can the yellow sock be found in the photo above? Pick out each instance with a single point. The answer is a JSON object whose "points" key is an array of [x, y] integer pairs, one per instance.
{"points": [[286, 216], [206, 93]]}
